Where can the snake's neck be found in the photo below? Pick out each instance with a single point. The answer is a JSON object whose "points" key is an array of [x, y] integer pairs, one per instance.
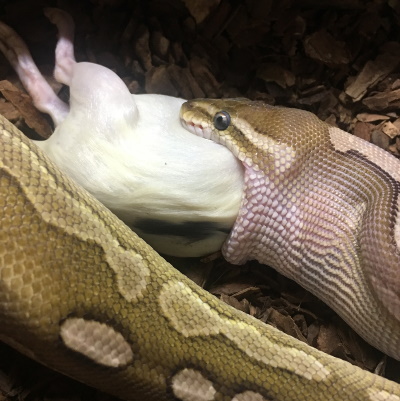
{"points": [[309, 230], [280, 220]]}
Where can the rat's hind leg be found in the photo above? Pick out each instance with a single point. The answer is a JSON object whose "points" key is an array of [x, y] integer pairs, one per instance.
{"points": [[43, 96], [65, 58]]}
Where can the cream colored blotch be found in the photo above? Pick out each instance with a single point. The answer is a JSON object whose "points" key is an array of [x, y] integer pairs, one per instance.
{"points": [[132, 273], [202, 320], [191, 385], [97, 341], [382, 396], [249, 396], [344, 142]]}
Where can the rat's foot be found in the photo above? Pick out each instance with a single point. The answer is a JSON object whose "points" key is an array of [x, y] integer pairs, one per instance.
{"points": [[65, 59], [43, 96]]}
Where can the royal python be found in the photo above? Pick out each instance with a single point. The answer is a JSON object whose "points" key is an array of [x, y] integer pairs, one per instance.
{"points": [[82, 294], [319, 205]]}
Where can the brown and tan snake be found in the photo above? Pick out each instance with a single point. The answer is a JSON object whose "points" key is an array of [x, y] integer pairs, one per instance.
{"points": [[82, 294]]}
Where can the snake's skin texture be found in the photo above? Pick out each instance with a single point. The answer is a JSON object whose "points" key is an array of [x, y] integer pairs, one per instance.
{"points": [[320, 205], [82, 294]]}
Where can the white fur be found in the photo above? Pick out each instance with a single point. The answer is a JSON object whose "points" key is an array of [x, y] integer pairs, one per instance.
{"points": [[131, 152]]}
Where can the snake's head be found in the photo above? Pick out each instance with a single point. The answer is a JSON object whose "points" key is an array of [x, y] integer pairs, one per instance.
{"points": [[261, 136], [225, 122], [273, 143]]}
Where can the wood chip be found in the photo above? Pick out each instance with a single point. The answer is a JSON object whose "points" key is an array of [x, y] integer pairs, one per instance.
{"points": [[200, 10], [372, 73], [383, 100], [23, 103], [286, 324], [390, 130], [323, 47], [368, 117], [203, 76], [272, 72], [378, 138], [363, 130]]}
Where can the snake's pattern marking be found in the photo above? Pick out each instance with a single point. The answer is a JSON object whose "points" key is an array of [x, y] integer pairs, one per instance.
{"points": [[249, 396], [389, 167], [192, 317], [191, 385], [343, 142], [97, 341], [129, 265], [382, 396], [125, 263], [53, 269]]}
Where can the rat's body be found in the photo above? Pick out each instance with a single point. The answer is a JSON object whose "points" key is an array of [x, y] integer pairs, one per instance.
{"points": [[131, 152]]}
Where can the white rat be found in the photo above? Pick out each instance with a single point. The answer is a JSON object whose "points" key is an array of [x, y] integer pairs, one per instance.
{"points": [[179, 192]]}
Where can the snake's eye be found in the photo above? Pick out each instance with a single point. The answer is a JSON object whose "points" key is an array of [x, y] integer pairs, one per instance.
{"points": [[222, 120]]}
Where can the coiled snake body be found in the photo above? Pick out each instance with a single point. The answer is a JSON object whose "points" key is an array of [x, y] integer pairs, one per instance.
{"points": [[84, 295]]}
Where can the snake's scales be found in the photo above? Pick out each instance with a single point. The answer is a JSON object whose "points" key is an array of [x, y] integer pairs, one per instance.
{"points": [[320, 206], [82, 294]]}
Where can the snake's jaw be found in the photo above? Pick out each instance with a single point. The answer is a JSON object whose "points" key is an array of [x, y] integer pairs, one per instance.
{"points": [[196, 127], [196, 123]]}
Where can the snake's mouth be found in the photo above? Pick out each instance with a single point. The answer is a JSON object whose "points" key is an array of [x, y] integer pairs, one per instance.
{"points": [[199, 125], [198, 129], [206, 132], [203, 130]]}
